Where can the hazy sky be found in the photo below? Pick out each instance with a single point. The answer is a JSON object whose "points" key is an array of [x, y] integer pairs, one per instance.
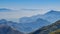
{"points": [[27, 7]]}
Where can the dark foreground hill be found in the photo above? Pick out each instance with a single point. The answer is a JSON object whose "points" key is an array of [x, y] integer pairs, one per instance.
{"points": [[50, 29], [5, 29]]}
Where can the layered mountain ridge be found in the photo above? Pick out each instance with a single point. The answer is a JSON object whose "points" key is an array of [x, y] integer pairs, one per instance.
{"points": [[29, 27], [50, 29], [30, 24], [48, 18], [6, 28]]}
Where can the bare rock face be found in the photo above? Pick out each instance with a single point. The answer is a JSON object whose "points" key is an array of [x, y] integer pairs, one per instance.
{"points": [[55, 27]]}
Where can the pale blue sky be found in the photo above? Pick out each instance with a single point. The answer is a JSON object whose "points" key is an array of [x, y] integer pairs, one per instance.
{"points": [[20, 4], [27, 7]]}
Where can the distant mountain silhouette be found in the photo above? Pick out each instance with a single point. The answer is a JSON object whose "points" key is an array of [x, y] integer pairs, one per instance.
{"points": [[9, 23], [50, 29], [4, 10], [52, 16], [6, 28], [49, 18], [29, 24], [29, 19], [33, 25]]}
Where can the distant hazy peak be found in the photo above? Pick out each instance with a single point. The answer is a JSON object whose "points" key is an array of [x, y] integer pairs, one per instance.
{"points": [[53, 11], [4, 9]]}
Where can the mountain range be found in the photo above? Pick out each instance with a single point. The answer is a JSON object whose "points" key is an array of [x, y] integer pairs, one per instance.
{"points": [[50, 16], [5, 10], [29, 27], [50, 29], [30, 24], [33, 23], [5, 28]]}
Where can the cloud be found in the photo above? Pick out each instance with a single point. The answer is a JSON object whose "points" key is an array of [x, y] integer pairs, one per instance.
{"points": [[30, 9], [14, 15], [6, 10]]}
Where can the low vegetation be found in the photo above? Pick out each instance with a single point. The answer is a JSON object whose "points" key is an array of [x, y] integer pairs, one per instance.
{"points": [[55, 32]]}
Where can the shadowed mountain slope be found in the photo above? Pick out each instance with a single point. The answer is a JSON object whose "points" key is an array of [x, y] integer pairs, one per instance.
{"points": [[55, 27], [6, 28]]}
